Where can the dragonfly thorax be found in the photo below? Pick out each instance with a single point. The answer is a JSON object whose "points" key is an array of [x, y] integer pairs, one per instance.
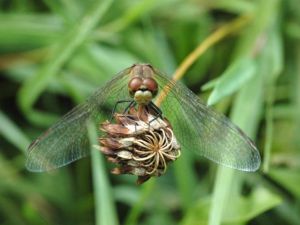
{"points": [[142, 90]]}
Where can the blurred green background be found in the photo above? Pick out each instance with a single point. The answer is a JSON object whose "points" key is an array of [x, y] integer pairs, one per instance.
{"points": [[54, 53]]}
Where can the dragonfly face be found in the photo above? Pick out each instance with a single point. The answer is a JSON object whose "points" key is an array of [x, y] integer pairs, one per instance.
{"points": [[142, 87]]}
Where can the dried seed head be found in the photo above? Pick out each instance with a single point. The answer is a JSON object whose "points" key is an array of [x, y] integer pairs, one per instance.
{"points": [[142, 147]]}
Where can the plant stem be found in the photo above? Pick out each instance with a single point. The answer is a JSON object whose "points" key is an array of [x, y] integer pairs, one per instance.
{"points": [[104, 202], [211, 40]]}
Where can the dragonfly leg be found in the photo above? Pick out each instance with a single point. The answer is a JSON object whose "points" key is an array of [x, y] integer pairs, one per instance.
{"points": [[157, 111], [115, 107], [131, 104]]}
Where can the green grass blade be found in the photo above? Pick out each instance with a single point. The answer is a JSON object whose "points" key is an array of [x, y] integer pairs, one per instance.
{"points": [[288, 178], [220, 198], [12, 133], [135, 212], [21, 32], [238, 73], [66, 9], [186, 184], [34, 86], [274, 57], [246, 208], [248, 105], [132, 14], [104, 201], [249, 95]]}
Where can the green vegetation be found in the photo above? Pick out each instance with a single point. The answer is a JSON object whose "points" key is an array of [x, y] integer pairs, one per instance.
{"points": [[241, 56]]}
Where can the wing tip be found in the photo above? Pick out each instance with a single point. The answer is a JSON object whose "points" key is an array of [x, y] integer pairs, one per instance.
{"points": [[253, 165], [33, 167]]}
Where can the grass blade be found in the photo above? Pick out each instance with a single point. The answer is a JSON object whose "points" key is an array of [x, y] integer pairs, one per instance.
{"points": [[135, 212], [12, 133], [248, 104], [104, 202], [34, 86], [232, 79]]}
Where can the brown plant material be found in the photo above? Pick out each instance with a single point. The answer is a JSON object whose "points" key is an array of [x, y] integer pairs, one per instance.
{"points": [[140, 144]]}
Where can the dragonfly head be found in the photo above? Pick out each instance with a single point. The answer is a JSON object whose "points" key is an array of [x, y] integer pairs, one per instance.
{"points": [[142, 90]]}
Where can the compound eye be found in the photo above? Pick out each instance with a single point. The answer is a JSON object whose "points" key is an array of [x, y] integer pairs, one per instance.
{"points": [[134, 84], [151, 84]]}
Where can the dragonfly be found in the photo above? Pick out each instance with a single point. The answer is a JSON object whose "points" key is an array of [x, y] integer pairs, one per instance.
{"points": [[197, 127]]}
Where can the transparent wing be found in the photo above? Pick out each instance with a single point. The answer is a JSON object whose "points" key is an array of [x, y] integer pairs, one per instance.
{"points": [[67, 140], [205, 131]]}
